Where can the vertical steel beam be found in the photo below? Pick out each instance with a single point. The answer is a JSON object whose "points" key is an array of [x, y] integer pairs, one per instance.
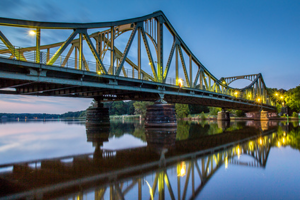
{"points": [[140, 189], [112, 43], [176, 65], [38, 46], [161, 186], [178, 187], [191, 72], [80, 50], [132, 72], [139, 53], [259, 88], [201, 79], [160, 28], [76, 59], [193, 177], [98, 49], [48, 54]]}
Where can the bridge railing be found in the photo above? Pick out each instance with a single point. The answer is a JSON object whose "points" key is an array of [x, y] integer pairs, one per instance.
{"points": [[70, 62]]}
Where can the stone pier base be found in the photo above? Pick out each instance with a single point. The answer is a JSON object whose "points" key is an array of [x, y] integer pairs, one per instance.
{"points": [[258, 115], [223, 116], [161, 115], [159, 138], [97, 116]]}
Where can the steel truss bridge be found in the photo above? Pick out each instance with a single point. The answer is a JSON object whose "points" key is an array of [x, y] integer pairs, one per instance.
{"points": [[148, 174], [62, 69]]}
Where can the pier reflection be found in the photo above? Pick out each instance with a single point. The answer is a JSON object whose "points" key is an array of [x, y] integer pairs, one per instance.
{"points": [[168, 168]]}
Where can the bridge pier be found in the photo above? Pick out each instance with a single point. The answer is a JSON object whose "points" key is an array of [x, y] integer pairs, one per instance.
{"points": [[97, 115], [159, 138], [161, 114], [258, 115], [223, 115]]}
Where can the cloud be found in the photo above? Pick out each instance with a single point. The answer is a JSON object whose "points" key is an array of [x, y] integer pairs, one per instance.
{"points": [[32, 104]]}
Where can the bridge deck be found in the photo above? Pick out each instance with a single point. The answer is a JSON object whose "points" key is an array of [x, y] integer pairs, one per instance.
{"points": [[43, 80]]}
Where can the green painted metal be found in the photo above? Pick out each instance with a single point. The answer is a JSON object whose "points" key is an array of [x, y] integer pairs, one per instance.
{"points": [[149, 55], [15, 52], [127, 48], [169, 61], [96, 55], [184, 67], [62, 48]]}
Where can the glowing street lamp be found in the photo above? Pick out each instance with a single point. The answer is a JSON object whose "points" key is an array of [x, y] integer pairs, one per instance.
{"points": [[32, 32], [180, 82], [258, 99]]}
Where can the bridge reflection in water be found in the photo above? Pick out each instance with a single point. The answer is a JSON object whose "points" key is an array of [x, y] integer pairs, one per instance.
{"points": [[166, 169]]}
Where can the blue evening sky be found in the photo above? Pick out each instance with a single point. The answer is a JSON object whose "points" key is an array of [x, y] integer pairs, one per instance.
{"points": [[230, 38]]}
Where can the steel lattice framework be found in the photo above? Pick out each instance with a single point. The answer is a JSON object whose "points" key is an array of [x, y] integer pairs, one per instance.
{"points": [[148, 30]]}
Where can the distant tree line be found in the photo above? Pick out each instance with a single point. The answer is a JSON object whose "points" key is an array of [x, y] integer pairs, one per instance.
{"points": [[40, 115]]}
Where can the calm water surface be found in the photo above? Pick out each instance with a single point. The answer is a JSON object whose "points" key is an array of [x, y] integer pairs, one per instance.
{"points": [[196, 160]]}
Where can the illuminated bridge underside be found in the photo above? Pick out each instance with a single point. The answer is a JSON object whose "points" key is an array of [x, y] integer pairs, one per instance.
{"points": [[35, 71]]}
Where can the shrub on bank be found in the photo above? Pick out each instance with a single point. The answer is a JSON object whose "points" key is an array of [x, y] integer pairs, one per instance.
{"points": [[295, 114], [202, 116]]}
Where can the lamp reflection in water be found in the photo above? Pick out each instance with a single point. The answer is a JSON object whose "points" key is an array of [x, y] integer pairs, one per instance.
{"points": [[278, 144], [226, 162], [251, 146], [150, 189], [181, 169], [238, 151]]}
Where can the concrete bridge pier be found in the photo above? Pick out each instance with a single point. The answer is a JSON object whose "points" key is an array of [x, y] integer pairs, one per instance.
{"points": [[97, 115], [223, 115], [161, 114], [258, 115]]}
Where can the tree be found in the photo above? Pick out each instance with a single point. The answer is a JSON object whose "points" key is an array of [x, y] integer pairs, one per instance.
{"points": [[140, 107], [182, 110], [214, 110], [120, 107], [196, 109], [292, 99]]}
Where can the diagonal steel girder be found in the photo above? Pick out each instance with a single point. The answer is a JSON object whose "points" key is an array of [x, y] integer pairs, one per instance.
{"points": [[62, 48], [93, 50], [127, 48], [11, 48]]}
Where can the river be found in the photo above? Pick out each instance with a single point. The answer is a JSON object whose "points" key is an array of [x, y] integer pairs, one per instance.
{"points": [[196, 160]]}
